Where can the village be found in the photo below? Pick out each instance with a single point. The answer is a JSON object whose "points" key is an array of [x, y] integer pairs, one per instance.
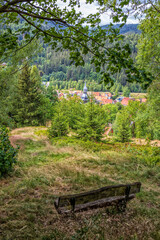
{"points": [[102, 98]]}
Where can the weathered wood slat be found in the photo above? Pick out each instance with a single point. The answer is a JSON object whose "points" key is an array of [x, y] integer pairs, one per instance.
{"points": [[96, 204], [96, 198], [133, 185], [110, 191]]}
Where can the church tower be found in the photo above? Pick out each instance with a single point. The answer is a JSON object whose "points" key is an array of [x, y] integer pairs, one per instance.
{"points": [[84, 96]]}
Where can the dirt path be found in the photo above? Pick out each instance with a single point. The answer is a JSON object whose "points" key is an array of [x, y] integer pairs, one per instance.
{"points": [[27, 133], [139, 141]]}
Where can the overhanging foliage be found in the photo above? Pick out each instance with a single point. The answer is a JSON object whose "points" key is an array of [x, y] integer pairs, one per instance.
{"points": [[67, 28]]}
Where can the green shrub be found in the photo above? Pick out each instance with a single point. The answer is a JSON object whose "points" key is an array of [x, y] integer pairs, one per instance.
{"points": [[149, 155], [8, 154], [41, 132]]}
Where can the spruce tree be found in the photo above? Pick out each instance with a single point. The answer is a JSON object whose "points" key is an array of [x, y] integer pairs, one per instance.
{"points": [[122, 126], [51, 93], [126, 91], [30, 99], [92, 125], [59, 126]]}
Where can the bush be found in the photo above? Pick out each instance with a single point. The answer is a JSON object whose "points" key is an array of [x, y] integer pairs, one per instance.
{"points": [[149, 155], [8, 154]]}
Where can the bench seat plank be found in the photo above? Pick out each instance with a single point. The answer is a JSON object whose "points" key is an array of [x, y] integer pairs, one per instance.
{"points": [[97, 198], [96, 204]]}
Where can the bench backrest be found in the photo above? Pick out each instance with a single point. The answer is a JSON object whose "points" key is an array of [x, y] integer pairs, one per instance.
{"points": [[105, 192]]}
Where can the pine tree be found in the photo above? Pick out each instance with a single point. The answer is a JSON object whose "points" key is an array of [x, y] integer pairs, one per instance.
{"points": [[51, 94], [92, 126], [30, 99], [126, 91], [59, 126], [122, 126]]}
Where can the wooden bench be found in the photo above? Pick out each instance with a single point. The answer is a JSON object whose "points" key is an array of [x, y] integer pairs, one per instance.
{"points": [[117, 195]]}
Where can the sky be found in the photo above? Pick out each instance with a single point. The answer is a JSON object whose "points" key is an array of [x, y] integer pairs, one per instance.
{"points": [[87, 9]]}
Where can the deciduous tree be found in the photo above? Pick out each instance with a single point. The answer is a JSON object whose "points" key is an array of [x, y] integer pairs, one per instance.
{"points": [[67, 28]]}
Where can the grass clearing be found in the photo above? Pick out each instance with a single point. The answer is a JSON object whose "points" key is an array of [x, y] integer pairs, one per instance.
{"points": [[138, 95], [46, 170]]}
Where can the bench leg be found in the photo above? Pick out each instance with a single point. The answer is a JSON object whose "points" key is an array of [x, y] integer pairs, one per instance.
{"points": [[121, 206]]}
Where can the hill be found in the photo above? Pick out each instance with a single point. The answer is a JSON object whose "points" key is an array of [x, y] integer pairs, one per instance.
{"points": [[128, 28]]}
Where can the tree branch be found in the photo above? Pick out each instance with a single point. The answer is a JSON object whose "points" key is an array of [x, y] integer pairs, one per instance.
{"points": [[70, 26], [4, 7], [19, 48], [154, 7], [39, 29], [51, 35]]}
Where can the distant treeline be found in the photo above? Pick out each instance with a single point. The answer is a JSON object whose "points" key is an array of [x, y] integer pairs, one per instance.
{"points": [[56, 67], [128, 28]]}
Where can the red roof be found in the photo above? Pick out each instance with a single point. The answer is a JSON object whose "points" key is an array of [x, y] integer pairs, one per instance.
{"points": [[61, 94], [126, 100], [96, 94], [107, 101]]}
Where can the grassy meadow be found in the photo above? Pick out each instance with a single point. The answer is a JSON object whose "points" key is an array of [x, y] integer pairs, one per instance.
{"points": [[138, 95], [47, 169]]}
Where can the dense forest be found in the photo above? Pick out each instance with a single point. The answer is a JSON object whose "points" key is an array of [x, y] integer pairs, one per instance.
{"points": [[56, 67]]}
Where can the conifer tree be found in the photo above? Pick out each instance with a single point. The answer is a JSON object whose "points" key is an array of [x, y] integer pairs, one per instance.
{"points": [[59, 126], [122, 127], [126, 91], [92, 125], [30, 100], [51, 93]]}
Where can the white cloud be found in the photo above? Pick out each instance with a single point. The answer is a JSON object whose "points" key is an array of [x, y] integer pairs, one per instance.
{"points": [[87, 9]]}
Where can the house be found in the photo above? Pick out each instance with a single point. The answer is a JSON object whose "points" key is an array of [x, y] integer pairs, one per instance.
{"points": [[103, 94], [109, 95], [119, 99], [96, 94], [60, 95], [46, 84], [125, 101], [107, 101], [143, 100], [98, 98], [4, 64], [109, 130]]}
